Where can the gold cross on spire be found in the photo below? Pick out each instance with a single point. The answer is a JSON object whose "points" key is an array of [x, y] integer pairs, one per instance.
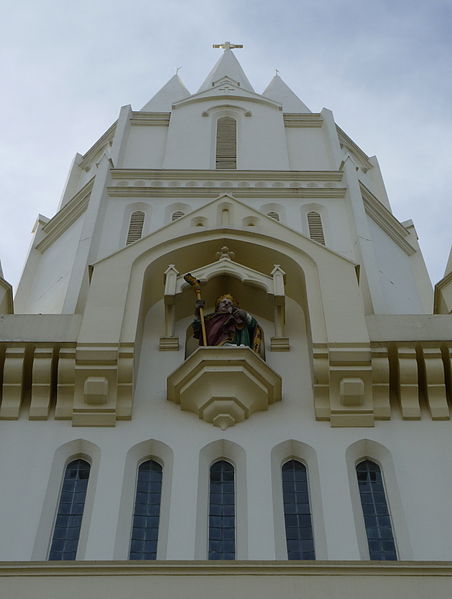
{"points": [[227, 46]]}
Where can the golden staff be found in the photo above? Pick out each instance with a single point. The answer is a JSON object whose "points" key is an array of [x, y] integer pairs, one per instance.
{"points": [[196, 284]]}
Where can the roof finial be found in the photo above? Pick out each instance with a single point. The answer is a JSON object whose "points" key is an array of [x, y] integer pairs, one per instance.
{"points": [[227, 46], [276, 72], [177, 70]]}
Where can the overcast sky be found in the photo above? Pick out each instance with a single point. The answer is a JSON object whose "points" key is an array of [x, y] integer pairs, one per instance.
{"points": [[384, 67]]}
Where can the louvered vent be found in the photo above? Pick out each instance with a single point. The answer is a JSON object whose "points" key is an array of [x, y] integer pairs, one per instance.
{"points": [[226, 154], [315, 227], [273, 214], [135, 226], [176, 215]]}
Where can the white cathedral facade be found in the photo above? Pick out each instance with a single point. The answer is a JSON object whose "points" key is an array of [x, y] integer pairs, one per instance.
{"points": [[138, 461]]}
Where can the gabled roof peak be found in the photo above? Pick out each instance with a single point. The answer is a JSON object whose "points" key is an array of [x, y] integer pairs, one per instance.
{"points": [[227, 66], [278, 90]]}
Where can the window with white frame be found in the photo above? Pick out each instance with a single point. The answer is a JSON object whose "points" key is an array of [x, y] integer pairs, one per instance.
{"points": [[68, 521], [226, 143], [377, 518]]}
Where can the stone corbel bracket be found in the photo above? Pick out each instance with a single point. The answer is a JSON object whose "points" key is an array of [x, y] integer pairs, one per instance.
{"points": [[273, 285], [224, 385], [103, 385], [354, 386]]}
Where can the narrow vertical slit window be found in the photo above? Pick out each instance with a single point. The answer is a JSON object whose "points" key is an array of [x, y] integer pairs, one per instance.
{"points": [[146, 516], [70, 511], [222, 511], [135, 226], [226, 148], [377, 518], [297, 511], [315, 227]]}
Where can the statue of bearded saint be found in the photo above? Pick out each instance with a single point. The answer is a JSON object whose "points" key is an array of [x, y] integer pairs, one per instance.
{"points": [[229, 326]]}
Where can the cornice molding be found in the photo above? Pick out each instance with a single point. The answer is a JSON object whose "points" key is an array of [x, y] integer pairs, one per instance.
{"points": [[66, 216], [98, 146], [189, 174], [150, 119], [353, 148], [442, 284], [302, 120], [239, 192], [240, 94], [222, 568], [382, 217]]}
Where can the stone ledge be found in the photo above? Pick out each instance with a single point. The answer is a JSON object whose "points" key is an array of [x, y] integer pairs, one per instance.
{"points": [[224, 385]]}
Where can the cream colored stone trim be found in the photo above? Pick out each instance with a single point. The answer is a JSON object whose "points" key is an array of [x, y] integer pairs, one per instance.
{"points": [[236, 568], [302, 120], [390, 225], [443, 296], [66, 216], [224, 385], [354, 149], [246, 175], [106, 138], [352, 389], [150, 119], [212, 192]]}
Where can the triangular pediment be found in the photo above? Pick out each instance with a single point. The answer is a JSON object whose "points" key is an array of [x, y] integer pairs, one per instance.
{"points": [[227, 88], [232, 216]]}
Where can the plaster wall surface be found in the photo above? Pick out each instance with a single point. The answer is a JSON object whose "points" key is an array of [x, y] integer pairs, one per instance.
{"points": [[308, 149], [261, 142], [51, 275], [397, 280], [420, 480], [251, 580], [145, 147]]}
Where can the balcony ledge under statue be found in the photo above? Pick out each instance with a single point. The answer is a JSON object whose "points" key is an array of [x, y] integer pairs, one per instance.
{"points": [[224, 385]]}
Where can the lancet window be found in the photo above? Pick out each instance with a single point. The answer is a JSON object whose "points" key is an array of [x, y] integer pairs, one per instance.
{"points": [[145, 527], [315, 227], [135, 226], [68, 522], [297, 511], [222, 511], [226, 145], [377, 518]]}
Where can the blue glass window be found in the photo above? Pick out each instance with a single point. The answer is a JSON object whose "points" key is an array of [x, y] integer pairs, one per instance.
{"points": [[70, 511], [297, 511], [376, 512], [222, 511], [146, 516]]}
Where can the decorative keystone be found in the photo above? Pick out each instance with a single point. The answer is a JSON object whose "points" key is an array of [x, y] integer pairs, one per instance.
{"points": [[95, 390], [224, 385]]}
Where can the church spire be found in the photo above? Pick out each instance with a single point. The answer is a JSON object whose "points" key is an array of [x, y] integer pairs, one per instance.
{"points": [[278, 90], [227, 66], [171, 92]]}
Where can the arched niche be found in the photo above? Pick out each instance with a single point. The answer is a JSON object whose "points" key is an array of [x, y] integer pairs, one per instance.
{"points": [[256, 292]]}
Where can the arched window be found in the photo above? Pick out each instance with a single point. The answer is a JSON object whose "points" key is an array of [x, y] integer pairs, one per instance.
{"points": [[135, 226], [377, 518], [70, 511], [297, 512], [176, 215], [222, 511], [146, 516], [226, 149], [315, 227], [273, 214]]}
